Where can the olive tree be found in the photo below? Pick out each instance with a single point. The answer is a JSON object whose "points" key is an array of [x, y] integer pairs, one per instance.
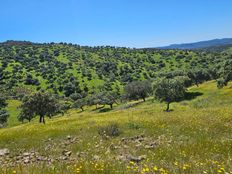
{"points": [[80, 103], [169, 90], [138, 90], [3, 117], [108, 98], [3, 102], [198, 76], [3, 113], [41, 104], [225, 74]]}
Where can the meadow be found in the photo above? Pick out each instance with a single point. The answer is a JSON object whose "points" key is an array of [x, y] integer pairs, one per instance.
{"points": [[194, 137]]}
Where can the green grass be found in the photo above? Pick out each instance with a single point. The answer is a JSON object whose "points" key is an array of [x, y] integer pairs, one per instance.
{"points": [[196, 137], [13, 111]]}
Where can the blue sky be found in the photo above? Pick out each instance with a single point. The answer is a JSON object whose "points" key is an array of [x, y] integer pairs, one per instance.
{"points": [[131, 23]]}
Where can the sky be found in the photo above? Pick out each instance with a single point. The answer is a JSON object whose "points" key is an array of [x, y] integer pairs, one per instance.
{"points": [[129, 23]]}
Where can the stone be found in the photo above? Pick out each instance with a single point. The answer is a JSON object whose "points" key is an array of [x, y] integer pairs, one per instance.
{"points": [[121, 158], [138, 145], [136, 159], [96, 157], [64, 158], [68, 153], [4, 152], [26, 154], [26, 161]]}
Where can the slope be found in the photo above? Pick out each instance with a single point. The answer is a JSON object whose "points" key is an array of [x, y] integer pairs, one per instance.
{"points": [[196, 137]]}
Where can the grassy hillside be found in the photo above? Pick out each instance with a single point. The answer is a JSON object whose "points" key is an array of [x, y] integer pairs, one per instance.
{"points": [[56, 67], [196, 137]]}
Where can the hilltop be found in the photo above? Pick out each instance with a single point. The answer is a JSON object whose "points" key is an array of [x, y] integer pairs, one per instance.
{"points": [[209, 44]]}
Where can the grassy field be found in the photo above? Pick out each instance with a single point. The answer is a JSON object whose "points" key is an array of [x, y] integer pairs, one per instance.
{"points": [[195, 137]]}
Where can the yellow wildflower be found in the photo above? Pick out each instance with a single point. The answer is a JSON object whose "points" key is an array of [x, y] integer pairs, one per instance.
{"points": [[155, 168]]}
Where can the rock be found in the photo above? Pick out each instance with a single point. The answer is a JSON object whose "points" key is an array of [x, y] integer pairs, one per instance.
{"points": [[39, 158], [126, 147], [138, 145], [68, 137], [136, 159], [123, 139], [96, 158], [26, 161], [19, 157], [68, 153], [150, 146], [26, 154], [4, 152], [64, 158], [121, 158]]}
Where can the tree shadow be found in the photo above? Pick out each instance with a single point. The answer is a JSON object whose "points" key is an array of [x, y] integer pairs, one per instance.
{"points": [[170, 110], [129, 105], [79, 111], [104, 110], [192, 95]]}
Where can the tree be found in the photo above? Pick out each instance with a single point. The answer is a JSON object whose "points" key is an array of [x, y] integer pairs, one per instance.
{"points": [[3, 117], [41, 104], [185, 80], [138, 90], [3, 113], [108, 98], [3, 102], [198, 76], [80, 103], [169, 90], [225, 74], [26, 114], [94, 99], [71, 88]]}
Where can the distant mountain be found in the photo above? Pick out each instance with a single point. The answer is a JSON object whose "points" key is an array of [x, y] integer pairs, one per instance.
{"points": [[201, 45]]}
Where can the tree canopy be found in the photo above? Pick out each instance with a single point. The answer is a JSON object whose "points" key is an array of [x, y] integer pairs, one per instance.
{"points": [[138, 90], [169, 90], [41, 104]]}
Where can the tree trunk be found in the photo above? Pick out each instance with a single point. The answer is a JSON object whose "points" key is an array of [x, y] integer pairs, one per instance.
{"points": [[111, 106], [43, 120], [82, 109], [40, 119], [167, 107], [144, 99]]}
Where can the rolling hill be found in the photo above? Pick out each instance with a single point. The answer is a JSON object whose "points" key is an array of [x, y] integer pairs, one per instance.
{"points": [[210, 44], [68, 68], [133, 136]]}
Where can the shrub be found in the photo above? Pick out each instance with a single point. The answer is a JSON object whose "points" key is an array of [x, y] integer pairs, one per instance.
{"points": [[3, 117], [111, 130]]}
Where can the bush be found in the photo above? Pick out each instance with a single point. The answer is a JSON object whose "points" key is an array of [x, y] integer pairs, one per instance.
{"points": [[3, 117], [111, 130]]}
